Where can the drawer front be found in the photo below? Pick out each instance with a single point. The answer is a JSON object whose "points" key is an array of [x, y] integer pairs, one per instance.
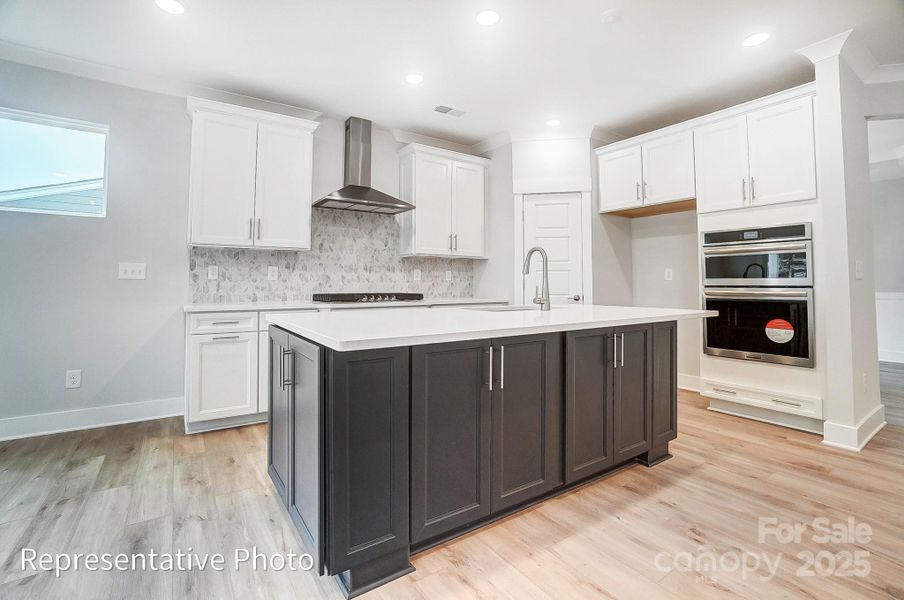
{"points": [[223, 322], [793, 404]]}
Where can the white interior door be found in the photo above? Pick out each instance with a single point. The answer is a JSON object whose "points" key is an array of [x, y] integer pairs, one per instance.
{"points": [[553, 222], [283, 198]]}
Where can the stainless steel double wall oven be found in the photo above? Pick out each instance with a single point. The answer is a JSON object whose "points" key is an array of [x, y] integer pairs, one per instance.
{"points": [[761, 282]]}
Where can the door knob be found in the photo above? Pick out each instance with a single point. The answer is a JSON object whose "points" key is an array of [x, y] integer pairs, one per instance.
{"points": [[576, 297]]}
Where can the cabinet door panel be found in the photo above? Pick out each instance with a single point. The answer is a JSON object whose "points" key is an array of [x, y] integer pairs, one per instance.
{"points": [[468, 209], [620, 176], [782, 152], [224, 376], [527, 419], [283, 196], [632, 392], [368, 451], [263, 372], [588, 403], [665, 383], [306, 488], [223, 164], [450, 437], [668, 169], [720, 157], [279, 450], [433, 212]]}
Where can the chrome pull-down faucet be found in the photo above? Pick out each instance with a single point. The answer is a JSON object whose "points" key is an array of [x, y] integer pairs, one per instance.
{"points": [[543, 298]]}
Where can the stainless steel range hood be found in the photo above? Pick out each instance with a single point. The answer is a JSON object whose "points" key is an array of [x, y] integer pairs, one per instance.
{"points": [[357, 193]]}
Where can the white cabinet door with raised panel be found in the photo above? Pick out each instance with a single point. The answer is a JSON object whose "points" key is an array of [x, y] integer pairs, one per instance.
{"points": [[223, 164], [668, 169], [782, 153], [720, 156], [468, 209], [433, 210], [620, 178], [283, 198], [223, 376], [263, 371]]}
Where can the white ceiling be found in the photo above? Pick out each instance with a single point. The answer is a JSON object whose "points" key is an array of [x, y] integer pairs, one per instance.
{"points": [[662, 61]]}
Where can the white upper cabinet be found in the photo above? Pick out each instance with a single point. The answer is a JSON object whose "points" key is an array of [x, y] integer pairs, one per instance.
{"points": [[223, 156], [283, 198], [468, 209], [668, 169], [251, 175], [720, 156], [448, 191], [782, 153], [620, 179]]}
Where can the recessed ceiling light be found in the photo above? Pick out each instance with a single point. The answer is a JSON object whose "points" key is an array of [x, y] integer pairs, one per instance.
{"points": [[414, 78], [610, 16], [487, 17], [173, 7], [553, 123], [756, 39]]}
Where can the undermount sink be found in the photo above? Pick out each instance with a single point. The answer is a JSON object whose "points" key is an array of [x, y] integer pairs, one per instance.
{"points": [[510, 308]]}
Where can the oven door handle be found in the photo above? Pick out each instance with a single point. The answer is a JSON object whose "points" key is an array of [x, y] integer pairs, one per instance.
{"points": [[803, 294], [754, 249]]}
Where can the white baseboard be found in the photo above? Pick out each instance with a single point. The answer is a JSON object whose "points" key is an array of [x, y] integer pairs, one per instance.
{"points": [[854, 437], [88, 418], [689, 382], [891, 356]]}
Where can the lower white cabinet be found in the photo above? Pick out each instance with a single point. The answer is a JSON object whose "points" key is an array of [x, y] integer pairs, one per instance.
{"points": [[223, 376], [263, 371]]}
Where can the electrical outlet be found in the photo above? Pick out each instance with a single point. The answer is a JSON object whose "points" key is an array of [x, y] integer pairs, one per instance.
{"points": [[132, 270], [416, 275], [213, 272], [272, 273], [668, 274], [448, 275], [858, 269], [73, 379]]}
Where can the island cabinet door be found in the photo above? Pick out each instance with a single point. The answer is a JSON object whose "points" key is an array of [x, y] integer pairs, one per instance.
{"points": [[303, 375], [527, 418], [632, 391], [367, 448], [665, 383], [279, 444], [450, 436], [589, 446]]}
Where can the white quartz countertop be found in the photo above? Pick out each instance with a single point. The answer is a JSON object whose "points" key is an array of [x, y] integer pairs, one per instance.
{"points": [[289, 306], [367, 329]]}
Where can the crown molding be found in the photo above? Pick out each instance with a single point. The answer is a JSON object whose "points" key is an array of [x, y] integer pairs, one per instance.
{"points": [[491, 143], [850, 47], [142, 81], [409, 137]]}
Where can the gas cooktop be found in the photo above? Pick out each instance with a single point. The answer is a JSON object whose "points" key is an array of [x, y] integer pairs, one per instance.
{"points": [[369, 297]]}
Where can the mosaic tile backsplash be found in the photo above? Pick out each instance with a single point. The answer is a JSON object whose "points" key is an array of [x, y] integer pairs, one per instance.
{"points": [[350, 252]]}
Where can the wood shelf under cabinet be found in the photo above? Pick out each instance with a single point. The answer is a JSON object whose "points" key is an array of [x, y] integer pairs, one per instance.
{"points": [[657, 209]]}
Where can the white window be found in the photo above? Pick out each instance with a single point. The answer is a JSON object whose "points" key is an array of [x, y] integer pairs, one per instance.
{"points": [[52, 165]]}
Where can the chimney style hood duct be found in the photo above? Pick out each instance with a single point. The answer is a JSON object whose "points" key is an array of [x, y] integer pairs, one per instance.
{"points": [[357, 193]]}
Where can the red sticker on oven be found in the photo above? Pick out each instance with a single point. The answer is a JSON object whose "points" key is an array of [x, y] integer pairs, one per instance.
{"points": [[779, 331]]}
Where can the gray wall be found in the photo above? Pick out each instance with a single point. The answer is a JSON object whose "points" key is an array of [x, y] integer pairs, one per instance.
{"points": [[62, 306], [494, 277], [888, 218], [669, 242]]}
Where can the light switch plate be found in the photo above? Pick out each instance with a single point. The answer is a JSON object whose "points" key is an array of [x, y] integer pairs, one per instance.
{"points": [[213, 272], [448, 275], [272, 273], [858, 269], [416, 275], [73, 379], [132, 270], [668, 274]]}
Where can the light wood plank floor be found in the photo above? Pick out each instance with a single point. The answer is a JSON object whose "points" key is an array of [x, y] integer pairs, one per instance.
{"points": [[891, 388], [131, 488]]}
